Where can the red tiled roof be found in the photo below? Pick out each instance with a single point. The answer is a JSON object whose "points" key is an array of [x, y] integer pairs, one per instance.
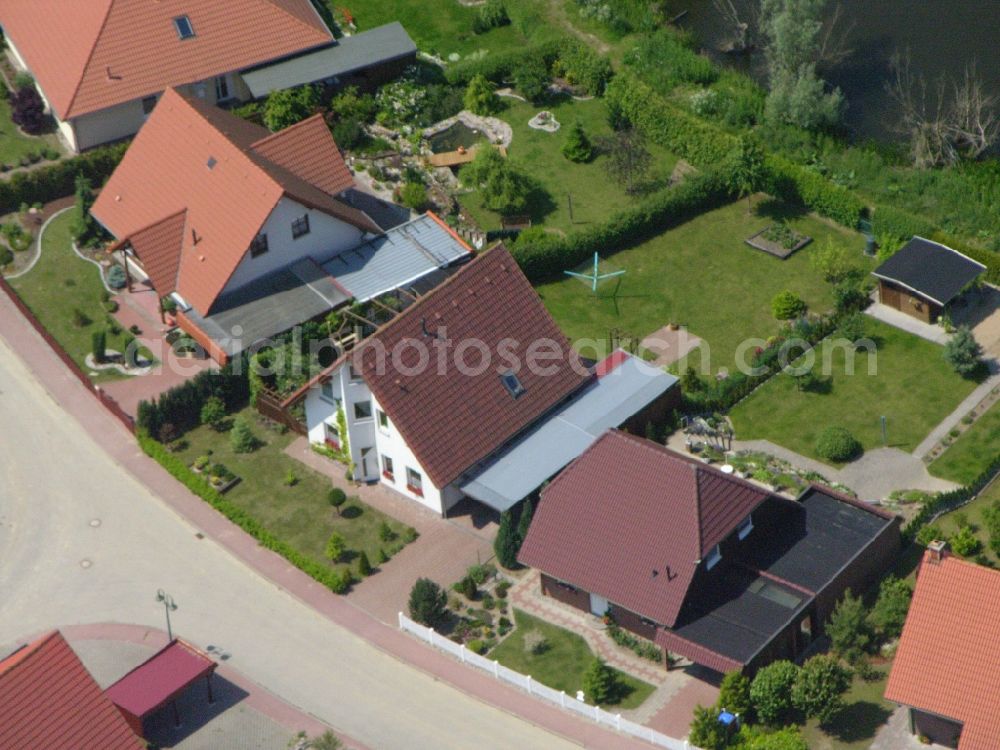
{"points": [[452, 420], [304, 149], [162, 676], [49, 700], [159, 249], [88, 55], [166, 171], [947, 661], [671, 509]]}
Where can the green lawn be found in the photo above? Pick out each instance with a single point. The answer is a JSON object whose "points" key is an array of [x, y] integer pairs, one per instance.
{"points": [[14, 144], [913, 387], [972, 452], [300, 514], [595, 195], [973, 514], [702, 275], [562, 665], [855, 727], [59, 284]]}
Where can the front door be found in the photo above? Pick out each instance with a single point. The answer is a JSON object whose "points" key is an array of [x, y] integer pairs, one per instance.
{"points": [[367, 462], [598, 605], [221, 88]]}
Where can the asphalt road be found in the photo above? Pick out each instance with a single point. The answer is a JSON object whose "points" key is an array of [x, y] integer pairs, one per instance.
{"points": [[82, 541]]}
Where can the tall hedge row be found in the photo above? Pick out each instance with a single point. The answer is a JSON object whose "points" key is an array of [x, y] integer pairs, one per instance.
{"points": [[180, 407], [667, 124], [58, 180], [500, 66], [544, 256], [797, 184], [336, 580]]}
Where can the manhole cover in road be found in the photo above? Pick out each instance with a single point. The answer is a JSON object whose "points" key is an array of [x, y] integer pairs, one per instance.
{"points": [[96, 522], [85, 563]]}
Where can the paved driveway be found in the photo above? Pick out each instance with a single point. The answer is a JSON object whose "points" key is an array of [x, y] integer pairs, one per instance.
{"points": [[82, 541]]}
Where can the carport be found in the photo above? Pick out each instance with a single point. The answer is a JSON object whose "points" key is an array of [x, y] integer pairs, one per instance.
{"points": [[160, 680]]}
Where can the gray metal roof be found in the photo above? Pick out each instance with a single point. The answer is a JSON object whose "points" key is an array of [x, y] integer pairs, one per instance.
{"points": [[271, 305], [561, 438], [397, 258], [347, 55]]}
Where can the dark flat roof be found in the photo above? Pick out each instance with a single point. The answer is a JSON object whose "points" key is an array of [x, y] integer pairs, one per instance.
{"points": [[930, 269], [819, 538], [796, 549]]}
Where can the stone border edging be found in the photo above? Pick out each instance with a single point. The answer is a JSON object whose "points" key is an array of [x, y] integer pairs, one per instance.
{"points": [[38, 242]]}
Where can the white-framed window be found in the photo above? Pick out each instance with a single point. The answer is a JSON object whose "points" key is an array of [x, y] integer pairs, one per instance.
{"points": [[414, 482], [326, 392], [362, 409], [745, 527], [387, 470], [221, 88], [383, 420], [713, 557], [300, 227], [352, 373], [331, 434]]}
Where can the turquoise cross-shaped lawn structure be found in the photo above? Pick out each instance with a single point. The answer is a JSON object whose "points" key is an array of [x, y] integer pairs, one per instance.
{"points": [[596, 276]]}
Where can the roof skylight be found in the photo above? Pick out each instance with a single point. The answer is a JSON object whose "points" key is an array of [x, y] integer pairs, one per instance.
{"points": [[511, 383], [184, 28]]}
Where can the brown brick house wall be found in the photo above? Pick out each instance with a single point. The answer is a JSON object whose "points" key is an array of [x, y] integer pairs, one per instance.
{"points": [[658, 412], [566, 594], [862, 572], [633, 623]]}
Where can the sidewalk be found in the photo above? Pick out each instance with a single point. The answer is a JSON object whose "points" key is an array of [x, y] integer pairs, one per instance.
{"points": [[120, 445], [968, 404]]}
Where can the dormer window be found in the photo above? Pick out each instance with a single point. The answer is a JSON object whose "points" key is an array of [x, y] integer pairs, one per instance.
{"points": [[183, 26], [512, 383], [744, 529], [713, 557], [258, 246]]}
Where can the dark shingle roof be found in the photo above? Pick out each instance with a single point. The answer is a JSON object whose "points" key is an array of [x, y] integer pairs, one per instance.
{"points": [[672, 511], [930, 269], [450, 419]]}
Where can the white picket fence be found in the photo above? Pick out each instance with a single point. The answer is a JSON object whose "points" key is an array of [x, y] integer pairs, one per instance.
{"points": [[557, 697]]}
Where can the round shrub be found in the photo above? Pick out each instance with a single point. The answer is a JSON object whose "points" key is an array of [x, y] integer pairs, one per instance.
{"points": [[771, 691], [6, 256], [787, 305], [837, 444], [116, 277]]}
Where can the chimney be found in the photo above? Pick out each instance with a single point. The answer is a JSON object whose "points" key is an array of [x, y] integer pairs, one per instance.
{"points": [[938, 551]]}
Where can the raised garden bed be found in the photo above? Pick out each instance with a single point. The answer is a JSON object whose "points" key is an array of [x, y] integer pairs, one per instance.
{"points": [[778, 240], [221, 478]]}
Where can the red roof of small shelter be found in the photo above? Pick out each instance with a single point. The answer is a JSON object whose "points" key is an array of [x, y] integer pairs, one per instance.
{"points": [[49, 700], [160, 678], [672, 511], [947, 662]]}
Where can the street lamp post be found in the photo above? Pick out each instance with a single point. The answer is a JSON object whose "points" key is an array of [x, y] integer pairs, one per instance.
{"points": [[168, 606]]}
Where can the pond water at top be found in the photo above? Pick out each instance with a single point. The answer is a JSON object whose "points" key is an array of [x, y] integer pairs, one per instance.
{"points": [[455, 135], [942, 37]]}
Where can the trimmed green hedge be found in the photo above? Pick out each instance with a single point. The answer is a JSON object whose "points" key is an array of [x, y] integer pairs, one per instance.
{"points": [[665, 123], [945, 501], [338, 582], [892, 222], [543, 256], [797, 184], [707, 146], [500, 66], [58, 180]]}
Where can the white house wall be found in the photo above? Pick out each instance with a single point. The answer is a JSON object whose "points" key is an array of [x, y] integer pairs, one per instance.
{"points": [[327, 237], [366, 433]]}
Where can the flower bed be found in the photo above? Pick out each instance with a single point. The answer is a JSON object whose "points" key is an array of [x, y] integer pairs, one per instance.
{"points": [[778, 240]]}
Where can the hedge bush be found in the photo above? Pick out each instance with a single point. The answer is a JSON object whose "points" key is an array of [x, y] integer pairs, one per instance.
{"points": [[838, 444], [181, 405], [59, 179], [893, 222], [543, 255], [500, 66], [337, 581], [796, 184]]}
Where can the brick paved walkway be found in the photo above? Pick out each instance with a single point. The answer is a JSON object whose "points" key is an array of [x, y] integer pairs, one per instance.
{"points": [[527, 595], [443, 552], [674, 718]]}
